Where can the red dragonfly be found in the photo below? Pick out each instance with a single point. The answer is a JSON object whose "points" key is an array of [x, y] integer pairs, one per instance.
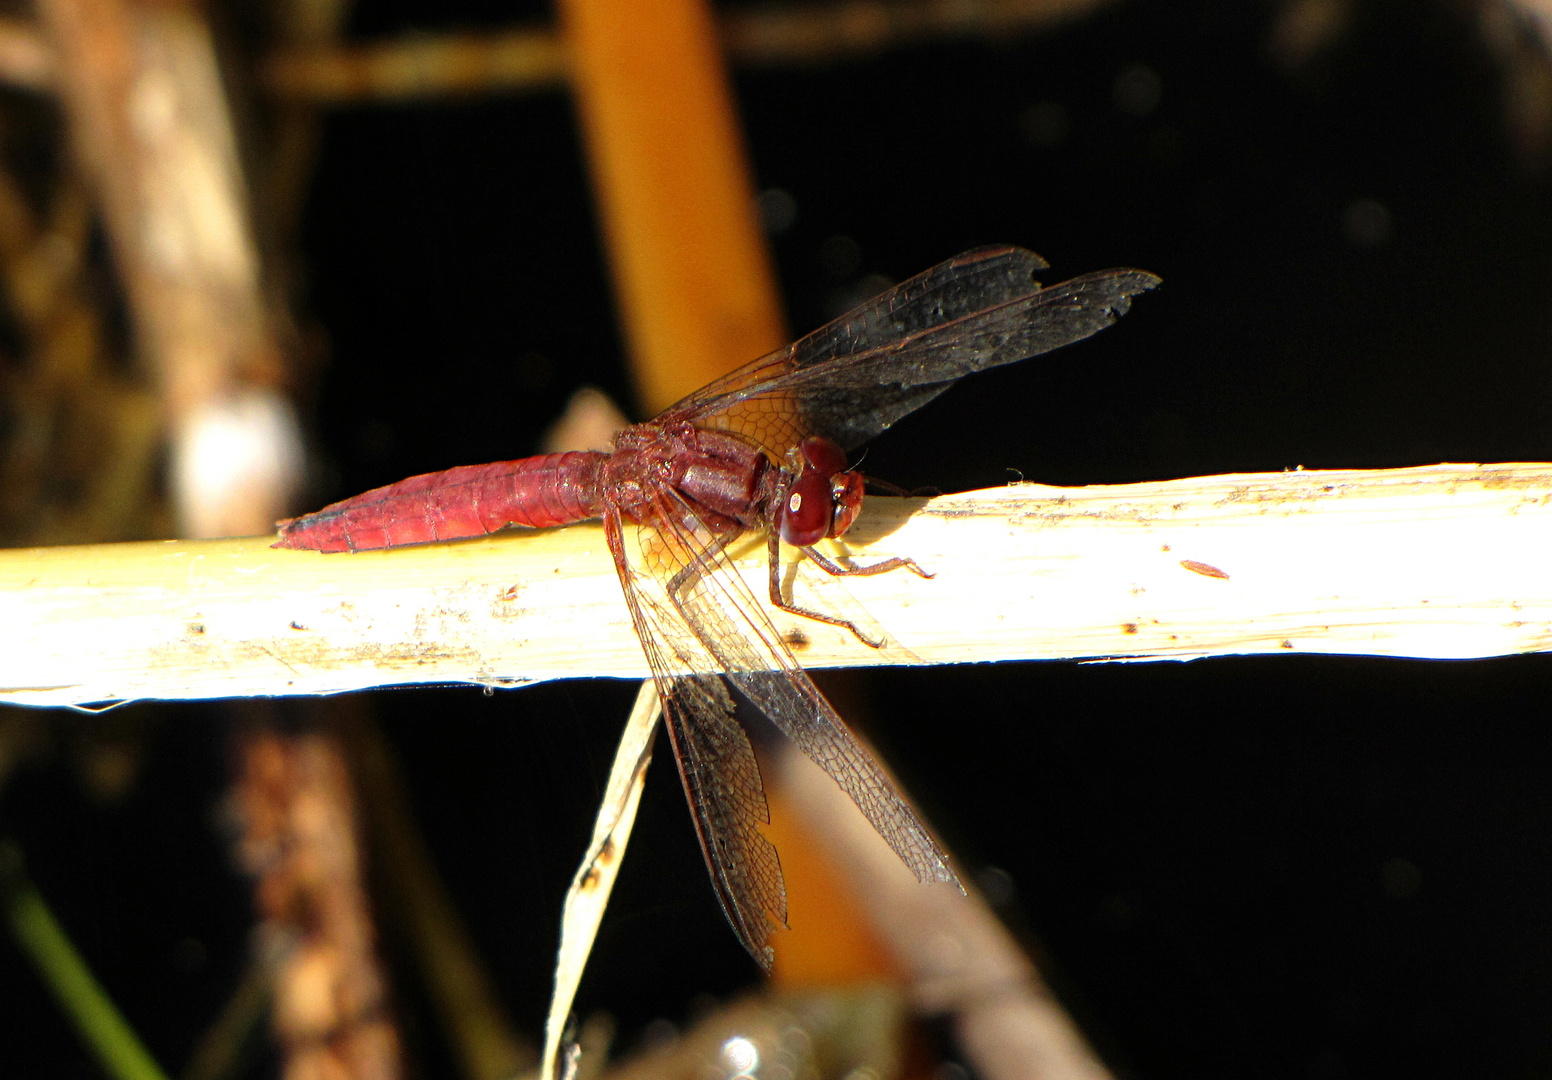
{"points": [[762, 450]]}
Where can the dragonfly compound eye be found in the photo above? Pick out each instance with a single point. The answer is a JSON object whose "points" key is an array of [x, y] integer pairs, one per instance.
{"points": [[824, 455], [806, 511]]}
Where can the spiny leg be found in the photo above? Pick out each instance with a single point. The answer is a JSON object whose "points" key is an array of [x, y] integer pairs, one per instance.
{"points": [[698, 565], [835, 569], [773, 546]]}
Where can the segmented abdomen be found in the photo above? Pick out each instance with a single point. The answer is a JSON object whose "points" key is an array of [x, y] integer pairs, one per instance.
{"points": [[473, 500]]}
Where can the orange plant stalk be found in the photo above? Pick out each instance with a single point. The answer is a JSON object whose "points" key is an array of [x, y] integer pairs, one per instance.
{"points": [[697, 297]]}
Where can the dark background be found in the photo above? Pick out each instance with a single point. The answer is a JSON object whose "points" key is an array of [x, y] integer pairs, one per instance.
{"points": [[1287, 867]]}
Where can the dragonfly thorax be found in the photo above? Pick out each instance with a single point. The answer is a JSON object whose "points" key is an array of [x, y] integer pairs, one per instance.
{"points": [[716, 471]]}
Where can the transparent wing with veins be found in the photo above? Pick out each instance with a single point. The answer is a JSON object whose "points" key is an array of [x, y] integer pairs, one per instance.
{"points": [[705, 632], [853, 378], [716, 762]]}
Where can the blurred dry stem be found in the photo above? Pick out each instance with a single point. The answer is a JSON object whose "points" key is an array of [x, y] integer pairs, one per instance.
{"points": [[85, 439], [27, 60], [149, 122], [533, 58], [588, 894], [309, 67], [295, 805], [774, 35], [693, 281], [419, 66], [957, 958], [589, 422]]}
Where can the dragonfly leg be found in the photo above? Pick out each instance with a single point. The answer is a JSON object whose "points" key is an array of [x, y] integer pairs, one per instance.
{"points": [[699, 565], [780, 601], [835, 569]]}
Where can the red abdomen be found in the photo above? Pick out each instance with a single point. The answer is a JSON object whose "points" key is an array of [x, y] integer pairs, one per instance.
{"points": [[473, 500]]}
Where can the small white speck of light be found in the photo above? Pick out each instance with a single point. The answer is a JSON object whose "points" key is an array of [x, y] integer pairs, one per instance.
{"points": [[740, 1055]]}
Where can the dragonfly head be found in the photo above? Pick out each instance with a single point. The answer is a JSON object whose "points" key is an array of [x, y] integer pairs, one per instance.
{"points": [[823, 498]]}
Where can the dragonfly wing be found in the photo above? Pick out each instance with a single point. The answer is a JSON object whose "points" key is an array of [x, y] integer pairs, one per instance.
{"points": [[957, 287], [851, 379], [716, 762], [853, 398], [720, 609]]}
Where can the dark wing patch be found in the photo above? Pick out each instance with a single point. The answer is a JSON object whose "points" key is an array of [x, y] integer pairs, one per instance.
{"points": [[852, 378]]}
